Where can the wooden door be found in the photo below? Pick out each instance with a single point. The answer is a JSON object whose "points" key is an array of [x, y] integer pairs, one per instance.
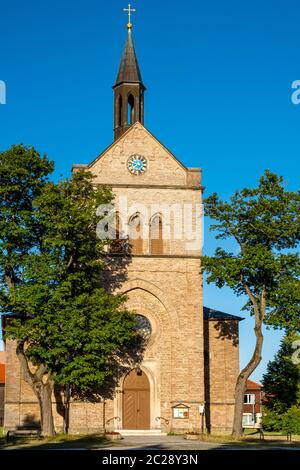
{"points": [[136, 401]]}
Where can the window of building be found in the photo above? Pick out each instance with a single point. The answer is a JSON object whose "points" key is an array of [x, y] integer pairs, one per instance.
{"points": [[144, 326], [249, 399], [248, 419], [156, 236], [135, 235]]}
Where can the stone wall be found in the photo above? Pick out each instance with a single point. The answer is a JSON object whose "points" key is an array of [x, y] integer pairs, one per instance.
{"points": [[221, 372]]}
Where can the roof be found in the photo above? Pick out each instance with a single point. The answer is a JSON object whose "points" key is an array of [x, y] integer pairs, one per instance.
{"points": [[2, 373], [2, 357], [129, 71], [250, 385], [211, 314]]}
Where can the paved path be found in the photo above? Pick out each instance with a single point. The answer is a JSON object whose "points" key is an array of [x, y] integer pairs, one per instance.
{"points": [[161, 443]]}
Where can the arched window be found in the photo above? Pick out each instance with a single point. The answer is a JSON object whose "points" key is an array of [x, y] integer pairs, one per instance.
{"points": [[156, 236], [120, 111], [117, 245], [135, 235], [144, 327], [130, 110]]}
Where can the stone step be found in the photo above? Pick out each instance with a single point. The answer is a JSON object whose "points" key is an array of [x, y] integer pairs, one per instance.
{"points": [[139, 432]]}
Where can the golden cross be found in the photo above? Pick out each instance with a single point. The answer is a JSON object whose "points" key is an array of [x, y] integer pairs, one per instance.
{"points": [[129, 10]]}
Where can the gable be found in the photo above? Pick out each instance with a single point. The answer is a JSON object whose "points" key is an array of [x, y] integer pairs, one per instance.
{"points": [[163, 168]]}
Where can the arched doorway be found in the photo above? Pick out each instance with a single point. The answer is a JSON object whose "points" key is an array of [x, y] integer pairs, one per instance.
{"points": [[136, 401]]}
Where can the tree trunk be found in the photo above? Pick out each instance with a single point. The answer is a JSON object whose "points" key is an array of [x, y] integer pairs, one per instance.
{"points": [[44, 394], [67, 399], [237, 430], [42, 389]]}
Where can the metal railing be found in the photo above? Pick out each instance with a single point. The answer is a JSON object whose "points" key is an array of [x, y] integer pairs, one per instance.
{"points": [[160, 418], [115, 418]]}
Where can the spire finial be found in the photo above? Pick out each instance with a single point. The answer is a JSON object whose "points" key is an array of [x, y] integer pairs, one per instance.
{"points": [[129, 10]]}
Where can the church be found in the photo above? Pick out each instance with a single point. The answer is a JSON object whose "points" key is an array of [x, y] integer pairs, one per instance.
{"points": [[187, 378]]}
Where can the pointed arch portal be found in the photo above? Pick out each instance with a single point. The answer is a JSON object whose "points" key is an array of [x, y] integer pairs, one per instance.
{"points": [[136, 401]]}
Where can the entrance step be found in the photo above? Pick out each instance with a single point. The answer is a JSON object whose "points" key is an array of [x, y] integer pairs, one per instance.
{"points": [[139, 432]]}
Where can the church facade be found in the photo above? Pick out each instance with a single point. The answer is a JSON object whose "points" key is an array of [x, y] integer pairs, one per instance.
{"points": [[187, 378]]}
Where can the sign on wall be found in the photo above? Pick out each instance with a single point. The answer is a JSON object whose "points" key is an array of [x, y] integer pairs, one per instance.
{"points": [[181, 411]]}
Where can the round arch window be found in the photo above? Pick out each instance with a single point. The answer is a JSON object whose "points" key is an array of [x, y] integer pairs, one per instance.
{"points": [[144, 326]]}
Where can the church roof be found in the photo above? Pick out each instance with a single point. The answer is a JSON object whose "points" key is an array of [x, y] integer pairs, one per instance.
{"points": [[211, 314], [129, 70]]}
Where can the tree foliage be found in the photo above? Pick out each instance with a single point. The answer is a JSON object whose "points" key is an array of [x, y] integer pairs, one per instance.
{"points": [[281, 381], [265, 223]]}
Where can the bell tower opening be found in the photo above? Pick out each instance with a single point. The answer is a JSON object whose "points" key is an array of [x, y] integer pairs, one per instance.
{"points": [[130, 110], [119, 111]]}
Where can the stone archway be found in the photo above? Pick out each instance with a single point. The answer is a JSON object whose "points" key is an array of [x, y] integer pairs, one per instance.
{"points": [[136, 401], [152, 289]]}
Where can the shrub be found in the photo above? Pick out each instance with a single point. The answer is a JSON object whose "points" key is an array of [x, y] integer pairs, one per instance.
{"points": [[272, 421], [291, 420]]}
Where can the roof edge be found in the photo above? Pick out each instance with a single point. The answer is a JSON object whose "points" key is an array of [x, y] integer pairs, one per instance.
{"points": [[211, 315]]}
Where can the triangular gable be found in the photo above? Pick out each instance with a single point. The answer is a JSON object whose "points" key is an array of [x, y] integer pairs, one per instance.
{"points": [[163, 168], [137, 124]]}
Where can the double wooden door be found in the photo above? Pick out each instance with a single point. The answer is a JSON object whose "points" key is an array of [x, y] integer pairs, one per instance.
{"points": [[136, 401]]}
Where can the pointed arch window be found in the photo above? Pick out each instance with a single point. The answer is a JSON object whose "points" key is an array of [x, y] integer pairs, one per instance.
{"points": [[130, 110], [136, 234], [156, 236], [120, 111], [117, 245]]}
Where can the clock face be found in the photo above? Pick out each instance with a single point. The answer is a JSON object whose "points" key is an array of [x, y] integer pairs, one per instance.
{"points": [[137, 165]]}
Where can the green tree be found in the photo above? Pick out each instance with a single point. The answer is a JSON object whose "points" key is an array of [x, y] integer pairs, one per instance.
{"points": [[281, 381], [265, 224], [73, 331]]}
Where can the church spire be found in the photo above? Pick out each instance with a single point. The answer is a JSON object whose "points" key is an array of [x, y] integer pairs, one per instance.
{"points": [[129, 88], [129, 70]]}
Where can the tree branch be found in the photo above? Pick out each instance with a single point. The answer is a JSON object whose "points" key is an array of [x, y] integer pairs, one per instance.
{"points": [[28, 375], [253, 300], [39, 374], [9, 280]]}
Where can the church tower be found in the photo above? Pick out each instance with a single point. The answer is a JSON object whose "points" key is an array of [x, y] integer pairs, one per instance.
{"points": [[129, 89]]}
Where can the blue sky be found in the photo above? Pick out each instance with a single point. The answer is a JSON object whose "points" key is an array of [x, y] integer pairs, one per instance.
{"points": [[218, 74]]}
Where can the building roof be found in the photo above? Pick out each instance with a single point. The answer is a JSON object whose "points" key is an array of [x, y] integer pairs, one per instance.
{"points": [[2, 373], [211, 314], [129, 71], [250, 385], [2, 357]]}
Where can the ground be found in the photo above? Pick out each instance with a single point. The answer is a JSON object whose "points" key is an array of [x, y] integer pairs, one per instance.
{"points": [[159, 443]]}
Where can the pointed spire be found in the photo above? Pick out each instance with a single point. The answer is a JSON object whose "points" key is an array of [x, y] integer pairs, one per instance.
{"points": [[129, 71]]}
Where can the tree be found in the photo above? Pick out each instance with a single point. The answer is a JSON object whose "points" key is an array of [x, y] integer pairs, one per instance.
{"points": [[265, 224], [68, 329], [281, 381]]}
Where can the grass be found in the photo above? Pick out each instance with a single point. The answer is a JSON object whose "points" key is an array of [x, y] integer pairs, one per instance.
{"points": [[252, 438], [57, 442]]}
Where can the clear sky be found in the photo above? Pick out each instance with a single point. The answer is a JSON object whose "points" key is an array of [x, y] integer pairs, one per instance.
{"points": [[218, 74]]}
